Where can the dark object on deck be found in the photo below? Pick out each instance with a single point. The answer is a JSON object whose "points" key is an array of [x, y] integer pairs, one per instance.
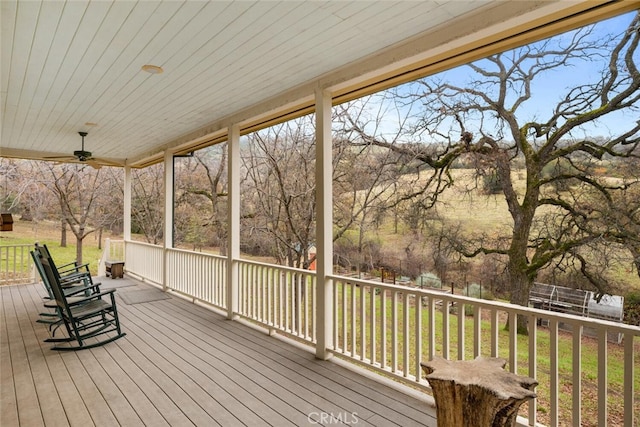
{"points": [[477, 393], [87, 318], [6, 222], [114, 269]]}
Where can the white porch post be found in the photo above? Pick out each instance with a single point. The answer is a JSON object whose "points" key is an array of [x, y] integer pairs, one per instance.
{"points": [[126, 221], [233, 220], [168, 215], [324, 225]]}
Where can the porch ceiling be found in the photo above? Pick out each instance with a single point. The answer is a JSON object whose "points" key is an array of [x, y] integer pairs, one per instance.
{"points": [[69, 63]]}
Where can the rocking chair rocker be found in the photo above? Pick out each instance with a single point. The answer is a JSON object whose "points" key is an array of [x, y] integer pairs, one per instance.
{"points": [[87, 317]]}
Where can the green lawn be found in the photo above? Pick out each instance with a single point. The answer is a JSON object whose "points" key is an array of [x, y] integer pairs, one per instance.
{"points": [[24, 234]]}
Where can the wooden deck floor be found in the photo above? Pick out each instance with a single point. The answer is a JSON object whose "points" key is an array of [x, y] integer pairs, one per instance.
{"points": [[180, 365]]}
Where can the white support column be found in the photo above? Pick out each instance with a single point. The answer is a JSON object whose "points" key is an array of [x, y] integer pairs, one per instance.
{"points": [[324, 225], [126, 221], [168, 214], [233, 220]]}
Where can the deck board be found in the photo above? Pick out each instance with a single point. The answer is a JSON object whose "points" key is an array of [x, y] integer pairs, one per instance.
{"points": [[180, 364], [8, 387]]}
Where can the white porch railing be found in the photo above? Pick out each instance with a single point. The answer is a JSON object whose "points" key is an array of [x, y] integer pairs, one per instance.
{"points": [[198, 275], [391, 329], [280, 298], [16, 265], [144, 261]]}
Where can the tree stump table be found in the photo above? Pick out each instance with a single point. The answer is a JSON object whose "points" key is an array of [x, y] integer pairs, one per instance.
{"points": [[477, 393]]}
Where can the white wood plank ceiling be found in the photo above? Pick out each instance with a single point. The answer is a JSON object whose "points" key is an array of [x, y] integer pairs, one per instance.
{"points": [[68, 63]]}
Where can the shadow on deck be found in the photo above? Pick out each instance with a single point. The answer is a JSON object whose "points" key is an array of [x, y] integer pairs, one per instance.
{"points": [[179, 365]]}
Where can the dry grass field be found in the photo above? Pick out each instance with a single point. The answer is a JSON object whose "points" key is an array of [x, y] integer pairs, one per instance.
{"points": [[478, 213]]}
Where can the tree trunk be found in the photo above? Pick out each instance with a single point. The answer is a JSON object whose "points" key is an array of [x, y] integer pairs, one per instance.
{"points": [[520, 287], [520, 278], [63, 233], [79, 250]]}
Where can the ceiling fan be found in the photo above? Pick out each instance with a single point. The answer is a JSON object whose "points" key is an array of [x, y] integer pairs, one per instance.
{"points": [[84, 156]]}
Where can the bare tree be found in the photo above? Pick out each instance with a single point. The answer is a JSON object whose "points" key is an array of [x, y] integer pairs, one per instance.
{"points": [[147, 204], [77, 188], [490, 104], [363, 187], [279, 190], [370, 183], [23, 193], [203, 178], [618, 210], [109, 203], [10, 195]]}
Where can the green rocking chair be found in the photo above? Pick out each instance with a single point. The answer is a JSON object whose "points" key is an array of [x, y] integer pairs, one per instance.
{"points": [[87, 318]]}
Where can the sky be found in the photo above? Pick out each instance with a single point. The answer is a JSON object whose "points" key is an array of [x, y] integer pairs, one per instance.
{"points": [[547, 88]]}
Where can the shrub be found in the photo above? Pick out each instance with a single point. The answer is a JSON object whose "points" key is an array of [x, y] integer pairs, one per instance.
{"points": [[428, 280], [475, 290], [632, 308]]}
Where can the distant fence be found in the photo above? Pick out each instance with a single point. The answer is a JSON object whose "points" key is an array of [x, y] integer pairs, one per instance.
{"points": [[16, 265]]}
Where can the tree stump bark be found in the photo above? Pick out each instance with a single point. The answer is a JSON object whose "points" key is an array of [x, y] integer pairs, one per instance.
{"points": [[477, 393]]}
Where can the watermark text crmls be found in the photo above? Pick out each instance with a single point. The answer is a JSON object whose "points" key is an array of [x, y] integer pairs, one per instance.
{"points": [[333, 418]]}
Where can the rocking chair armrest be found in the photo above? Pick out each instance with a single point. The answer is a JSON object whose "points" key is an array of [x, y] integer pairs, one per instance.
{"points": [[73, 273], [69, 264], [81, 289], [73, 268], [92, 297], [74, 277]]}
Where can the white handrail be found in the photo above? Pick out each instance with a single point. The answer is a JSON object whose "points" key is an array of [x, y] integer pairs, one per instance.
{"points": [[16, 265]]}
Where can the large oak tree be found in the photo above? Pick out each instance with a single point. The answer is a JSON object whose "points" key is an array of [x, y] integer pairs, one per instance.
{"points": [[486, 120]]}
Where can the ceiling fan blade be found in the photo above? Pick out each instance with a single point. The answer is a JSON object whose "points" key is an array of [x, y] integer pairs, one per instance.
{"points": [[93, 163], [61, 158], [106, 162]]}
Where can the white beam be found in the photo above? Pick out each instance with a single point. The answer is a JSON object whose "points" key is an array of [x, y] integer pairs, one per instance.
{"points": [[126, 221], [233, 219], [324, 225], [168, 212]]}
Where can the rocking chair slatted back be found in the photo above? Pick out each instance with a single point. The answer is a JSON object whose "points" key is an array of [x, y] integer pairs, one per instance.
{"points": [[68, 273]]}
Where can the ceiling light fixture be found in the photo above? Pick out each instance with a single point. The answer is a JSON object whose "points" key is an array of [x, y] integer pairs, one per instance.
{"points": [[152, 69]]}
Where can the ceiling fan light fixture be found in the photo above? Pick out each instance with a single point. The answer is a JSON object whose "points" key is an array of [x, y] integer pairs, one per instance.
{"points": [[152, 69], [82, 155]]}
